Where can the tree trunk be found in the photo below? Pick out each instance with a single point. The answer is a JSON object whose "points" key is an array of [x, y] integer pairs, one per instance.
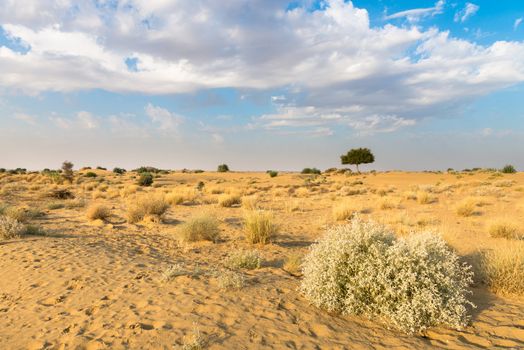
{"points": [[358, 171]]}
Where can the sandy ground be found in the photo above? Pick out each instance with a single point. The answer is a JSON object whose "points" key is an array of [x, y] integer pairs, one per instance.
{"points": [[98, 285]]}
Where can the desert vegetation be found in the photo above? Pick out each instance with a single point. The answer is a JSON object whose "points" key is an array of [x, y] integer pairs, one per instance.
{"points": [[334, 252]]}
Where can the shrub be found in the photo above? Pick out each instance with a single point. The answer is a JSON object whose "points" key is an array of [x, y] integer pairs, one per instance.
{"points": [[244, 259], [424, 197], [223, 168], [229, 200], [272, 173], [259, 226], [503, 268], [145, 179], [310, 171], [119, 171], [230, 280], [413, 282], [67, 171], [504, 229], [508, 169], [153, 206], [90, 174], [98, 212], [10, 228], [201, 228]]}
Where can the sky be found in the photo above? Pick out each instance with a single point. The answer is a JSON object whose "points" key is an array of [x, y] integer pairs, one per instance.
{"points": [[261, 84]]}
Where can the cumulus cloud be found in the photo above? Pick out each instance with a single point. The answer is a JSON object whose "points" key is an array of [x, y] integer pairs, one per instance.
{"points": [[162, 118], [414, 15], [333, 66], [468, 11]]}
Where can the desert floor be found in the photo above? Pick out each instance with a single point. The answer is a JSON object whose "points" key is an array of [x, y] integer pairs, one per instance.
{"points": [[98, 284]]}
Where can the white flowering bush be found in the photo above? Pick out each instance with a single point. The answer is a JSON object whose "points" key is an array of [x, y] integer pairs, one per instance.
{"points": [[411, 283]]}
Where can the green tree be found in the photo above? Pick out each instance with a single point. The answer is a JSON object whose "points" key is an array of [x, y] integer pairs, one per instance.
{"points": [[358, 156], [223, 168]]}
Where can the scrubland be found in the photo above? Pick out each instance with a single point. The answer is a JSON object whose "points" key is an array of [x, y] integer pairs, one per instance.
{"points": [[253, 260]]}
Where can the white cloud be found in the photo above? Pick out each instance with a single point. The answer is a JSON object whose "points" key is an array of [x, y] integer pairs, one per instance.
{"points": [[517, 23], [217, 138], [86, 120], [27, 118], [468, 11], [414, 15], [331, 60], [162, 118]]}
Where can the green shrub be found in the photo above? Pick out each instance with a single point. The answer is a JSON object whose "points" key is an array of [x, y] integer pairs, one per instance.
{"points": [[272, 173], [119, 171], [508, 169], [311, 171], [90, 174], [145, 179], [414, 282], [223, 168]]}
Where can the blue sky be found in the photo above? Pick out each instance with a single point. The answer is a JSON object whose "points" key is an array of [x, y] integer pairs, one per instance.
{"points": [[261, 84]]}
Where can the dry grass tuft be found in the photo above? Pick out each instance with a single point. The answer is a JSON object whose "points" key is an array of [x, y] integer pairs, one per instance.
{"points": [[466, 208], [181, 196], [244, 259], [293, 265], [424, 197], [10, 228], [152, 205], [229, 200], [98, 211], [504, 229], [201, 228], [503, 269], [343, 210], [259, 226]]}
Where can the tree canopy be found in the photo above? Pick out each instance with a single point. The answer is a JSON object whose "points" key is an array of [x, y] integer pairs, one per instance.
{"points": [[357, 156]]}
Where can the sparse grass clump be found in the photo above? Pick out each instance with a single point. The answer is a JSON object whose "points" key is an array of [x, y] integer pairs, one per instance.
{"points": [[259, 226], [244, 259], [343, 210], [229, 200], [228, 279], [293, 265], [152, 206], [424, 197], [466, 208], [505, 229], [503, 268], [10, 228], [201, 228], [413, 282], [98, 211], [181, 196]]}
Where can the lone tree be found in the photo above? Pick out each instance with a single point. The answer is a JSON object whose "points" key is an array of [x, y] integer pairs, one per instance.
{"points": [[358, 156], [67, 171], [223, 168]]}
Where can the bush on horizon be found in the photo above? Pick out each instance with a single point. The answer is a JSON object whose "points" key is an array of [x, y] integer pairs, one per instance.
{"points": [[508, 169], [145, 179], [223, 168]]}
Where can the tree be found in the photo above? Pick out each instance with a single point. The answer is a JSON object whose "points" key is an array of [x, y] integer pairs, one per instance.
{"points": [[358, 156], [67, 171], [223, 168]]}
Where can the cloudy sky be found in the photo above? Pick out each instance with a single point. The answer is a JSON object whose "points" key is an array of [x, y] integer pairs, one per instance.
{"points": [[261, 84]]}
